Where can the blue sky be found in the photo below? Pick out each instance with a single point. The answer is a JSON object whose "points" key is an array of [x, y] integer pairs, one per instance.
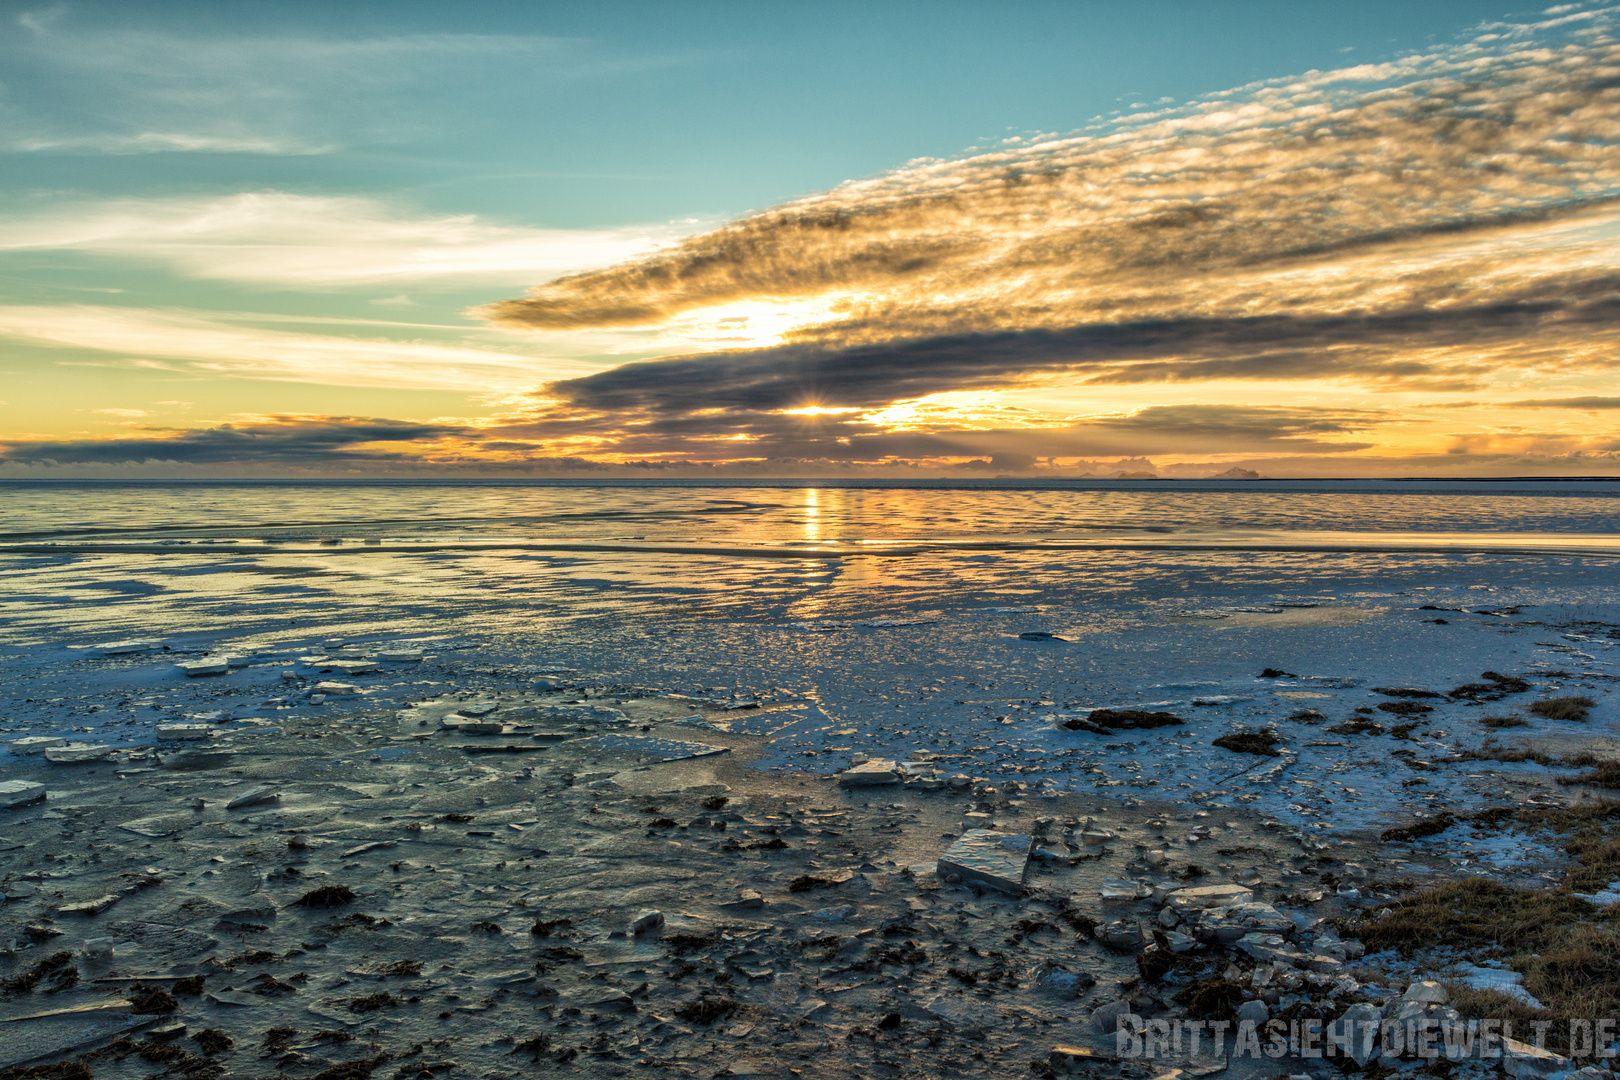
{"points": [[291, 214], [592, 114]]}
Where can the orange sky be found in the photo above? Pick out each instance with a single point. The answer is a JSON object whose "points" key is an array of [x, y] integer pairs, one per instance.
{"points": [[1395, 267]]}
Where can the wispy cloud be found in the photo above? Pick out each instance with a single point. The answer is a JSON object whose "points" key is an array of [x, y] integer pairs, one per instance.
{"points": [[216, 344], [1566, 403], [79, 87], [284, 440], [292, 241]]}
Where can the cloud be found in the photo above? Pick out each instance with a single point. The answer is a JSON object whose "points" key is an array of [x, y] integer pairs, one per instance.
{"points": [[273, 440], [79, 87], [223, 344], [1171, 429], [1445, 222], [1566, 326], [1566, 403], [1419, 154], [318, 242], [281, 445]]}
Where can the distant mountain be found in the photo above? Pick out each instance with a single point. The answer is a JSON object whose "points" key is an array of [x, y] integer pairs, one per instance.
{"points": [[1235, 473]]}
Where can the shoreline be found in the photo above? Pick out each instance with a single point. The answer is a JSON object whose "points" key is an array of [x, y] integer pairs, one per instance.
{"points": [[491, 900]]}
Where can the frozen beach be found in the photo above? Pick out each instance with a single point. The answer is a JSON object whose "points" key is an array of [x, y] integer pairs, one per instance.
{"points": [[380, 662]]}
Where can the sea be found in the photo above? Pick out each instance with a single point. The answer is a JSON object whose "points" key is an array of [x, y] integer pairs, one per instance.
{"points": [[972, 614]]}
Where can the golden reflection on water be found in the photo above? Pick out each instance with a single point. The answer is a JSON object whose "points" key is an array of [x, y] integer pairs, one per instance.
{"points": [[241, 564]]}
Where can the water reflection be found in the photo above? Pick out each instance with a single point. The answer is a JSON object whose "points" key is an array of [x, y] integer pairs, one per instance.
{"points": [[812, 515], [215, 571]]}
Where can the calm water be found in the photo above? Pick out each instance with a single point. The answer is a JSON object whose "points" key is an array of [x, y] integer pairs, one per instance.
{"points": [[892, 616], [777, 513], [105, 560]]}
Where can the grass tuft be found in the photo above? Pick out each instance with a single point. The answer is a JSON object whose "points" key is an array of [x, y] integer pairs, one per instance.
{"points": [[1565, 947], [1503, 721], [1563, 708], [1604, 774]]}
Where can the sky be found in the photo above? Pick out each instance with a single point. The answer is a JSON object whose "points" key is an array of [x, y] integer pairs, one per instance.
{"points": [[833, 239]]}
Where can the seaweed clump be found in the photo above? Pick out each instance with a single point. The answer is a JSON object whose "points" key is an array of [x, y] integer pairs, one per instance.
{"points": [[1263, 743], [327, 896], [1108, 721]]}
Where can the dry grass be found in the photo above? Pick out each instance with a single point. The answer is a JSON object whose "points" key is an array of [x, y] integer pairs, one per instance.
{"points": [[1597, 812], [1493, 1004], [1603, 774], [1578, 975], [1503, 721], [1567, 949], [1492, 752], [1563, 708], [1477, 913], [1599, 856], [1564, 946]]}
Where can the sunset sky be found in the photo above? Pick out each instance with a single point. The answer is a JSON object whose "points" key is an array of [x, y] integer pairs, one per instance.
{"points": [[921, 239]]}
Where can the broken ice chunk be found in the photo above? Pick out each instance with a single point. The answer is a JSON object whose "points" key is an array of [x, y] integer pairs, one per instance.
{"points": [[75, 753], [1503, 982], [89, 907], [99, 948], [696, 720], [1269, 948], [1228, 924], [399, 656], [649, 919], [1120, 889], [125, 648], [649, 747], [1208, 896], [870, 773], [213, 665], [999, 860], [35, 744], [258, 795], [183, 732], [20, 793], [1602, 898], [333, 689], [455, 722], [1125, 934]]}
